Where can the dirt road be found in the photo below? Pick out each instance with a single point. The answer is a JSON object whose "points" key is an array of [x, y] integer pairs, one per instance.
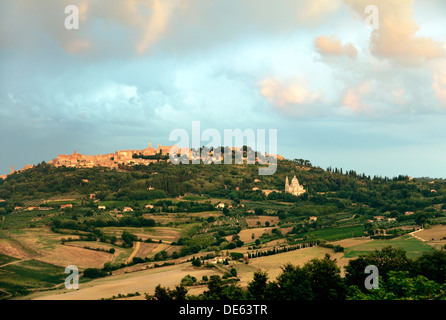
{"points": [[135, 251], [13, 262]]}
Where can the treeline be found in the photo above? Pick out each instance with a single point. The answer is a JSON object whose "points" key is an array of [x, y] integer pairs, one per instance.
{"points": [[269, 252], [90, 224], [158, 156], [400, 278], [98, 234], [111, 250], [126, 194], [184, 206], [336, 248]]}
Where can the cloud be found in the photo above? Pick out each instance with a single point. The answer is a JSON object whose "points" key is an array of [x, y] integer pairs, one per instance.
{"points": [[292, 98], [312, 12], [143, 21], [332, 46], [78, 45], [353, 98], [439, 84], [156, 25], [396, 38], [399, 96], [140, 26]]}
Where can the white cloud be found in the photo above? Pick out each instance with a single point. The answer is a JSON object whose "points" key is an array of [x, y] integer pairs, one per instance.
{"points": [[353, 98], [396, 38], [439, 83], [332, 46], [293, 97]]}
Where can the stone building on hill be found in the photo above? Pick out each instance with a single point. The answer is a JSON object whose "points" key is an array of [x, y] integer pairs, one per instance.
{"points": [[294, 188]]}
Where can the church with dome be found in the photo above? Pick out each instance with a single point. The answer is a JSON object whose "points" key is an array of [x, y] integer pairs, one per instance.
{"points": [[294, 188]]}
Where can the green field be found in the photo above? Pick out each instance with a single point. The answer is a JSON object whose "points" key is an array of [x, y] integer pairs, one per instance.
{"points": [[22, 277], [333, 234], [194, 198], [114, 204], [412, 246], [58, 203], [119, 204], [6, 259], [23, 219]]}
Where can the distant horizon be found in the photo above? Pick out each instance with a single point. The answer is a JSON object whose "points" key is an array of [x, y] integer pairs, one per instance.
{"points": [[323, 166]]}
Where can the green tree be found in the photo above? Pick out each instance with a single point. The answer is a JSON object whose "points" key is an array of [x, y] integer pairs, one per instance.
{"points": [[387, 259], [162, 293], [215, 288], [232, 292], [188, 280], [179, 294], [196, 262], [432, 265], [93, 273], [399, 286], [422, 219], [294, 284], [128, 238], [325, 279], [257, 287]]}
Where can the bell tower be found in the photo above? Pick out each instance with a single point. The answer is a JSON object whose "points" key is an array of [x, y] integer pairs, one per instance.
{"points": [[12, 169]]}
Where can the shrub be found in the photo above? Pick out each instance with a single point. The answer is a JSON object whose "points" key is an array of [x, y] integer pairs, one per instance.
{"points": [[94, 273]]}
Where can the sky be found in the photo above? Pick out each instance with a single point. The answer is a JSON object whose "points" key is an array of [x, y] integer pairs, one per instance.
{"points": [[340, 91]]}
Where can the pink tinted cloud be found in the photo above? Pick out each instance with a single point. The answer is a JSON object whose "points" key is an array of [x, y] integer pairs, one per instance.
{"points": [[396, 38], [332, 46]]}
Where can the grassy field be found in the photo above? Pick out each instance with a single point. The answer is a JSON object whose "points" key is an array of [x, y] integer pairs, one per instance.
{"points": [[155, 233], [6, 259], [114, 204], [23, 219], [28, 275], [413, 247], [256, 221], [434, 233], [44, 245], [144, 281], [273, 264], [333, 234], [246, 234], [194, 198]]}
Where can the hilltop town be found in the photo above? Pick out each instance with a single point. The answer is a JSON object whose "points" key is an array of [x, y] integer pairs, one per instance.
{"points": [[132, 157], [28, 166], [113, 160]]}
